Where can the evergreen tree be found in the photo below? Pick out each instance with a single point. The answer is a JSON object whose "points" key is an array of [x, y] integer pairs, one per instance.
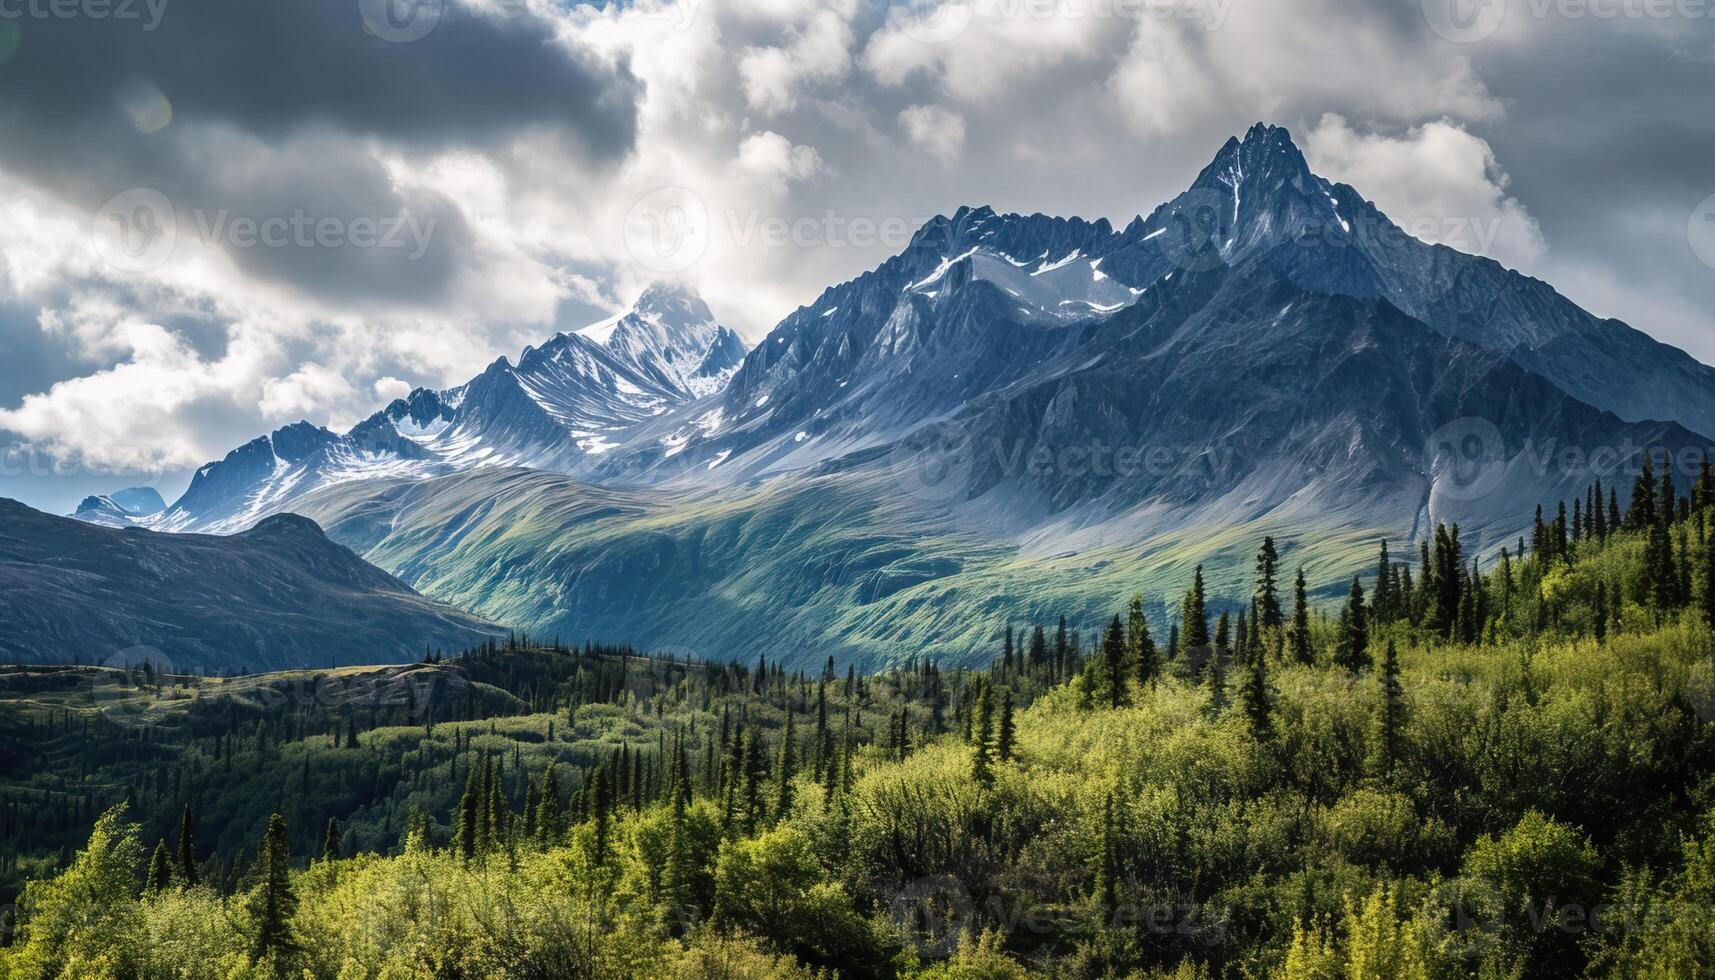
{"points": [[1006, 732], [1140, 645], [1259, 699], [1641, 515], [1449, 581], [1194, 614], [1267, 587], [467, 832], [601, 813], [1353, 644], [1223, 631], [1301, 651], [1382, 603], [787, 769], [982, 732], [272, 903], [187, 864], [1217, 680], [753, 772], [1392, 710], [330, 840], [160, 869], [676, 876], [1107, 870], [1108, 670]]}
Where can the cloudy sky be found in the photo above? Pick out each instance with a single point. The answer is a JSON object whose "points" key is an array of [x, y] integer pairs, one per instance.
{"points": [[220, 216]]}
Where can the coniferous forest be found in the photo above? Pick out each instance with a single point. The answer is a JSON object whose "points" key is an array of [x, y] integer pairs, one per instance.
{"points": [[1468, 765]]}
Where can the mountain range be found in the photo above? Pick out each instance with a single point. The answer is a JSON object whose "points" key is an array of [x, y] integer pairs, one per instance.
{"points": [[1018, 414], [563, 402], [278, 595]]}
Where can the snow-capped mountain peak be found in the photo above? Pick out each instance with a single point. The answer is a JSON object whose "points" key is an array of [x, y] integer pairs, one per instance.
{"points": [[562, 404], [670, 336]]}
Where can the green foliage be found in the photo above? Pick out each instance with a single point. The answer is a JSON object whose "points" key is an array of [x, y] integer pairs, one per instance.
{"points": [[1463, 775]]}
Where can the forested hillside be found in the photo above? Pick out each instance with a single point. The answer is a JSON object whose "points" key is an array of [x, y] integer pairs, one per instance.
{"points": [[1497, 768]]}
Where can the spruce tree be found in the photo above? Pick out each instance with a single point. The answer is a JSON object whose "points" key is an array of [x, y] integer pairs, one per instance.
{"points": [[601, 814], [187, 863], [1641, 514], [468, 830], [1267, 586], [1141, 645], [1352, 648], [272, 903], [982, 734], [753, 772], [1006, 732], [1259, 699], [1107, 870], [1301, 651], [1383, 603], [330, 840], [1449, 565], [160, 869], [1110, 664], [1194, 614], [1393, 708], [1223, 631], [787, 769]]}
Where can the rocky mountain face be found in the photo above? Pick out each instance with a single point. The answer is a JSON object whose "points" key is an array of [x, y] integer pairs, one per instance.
{"points": [[1010, 416], [280, 595], [561, 404]]}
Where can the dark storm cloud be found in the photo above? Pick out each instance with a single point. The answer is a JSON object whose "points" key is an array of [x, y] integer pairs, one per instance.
{"points": [[271, 66], [246, 111], [1608, 142]]}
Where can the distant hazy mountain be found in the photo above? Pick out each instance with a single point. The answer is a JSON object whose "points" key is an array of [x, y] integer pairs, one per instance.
{"points": [[122, 508], [279, 595], [564, 402]]}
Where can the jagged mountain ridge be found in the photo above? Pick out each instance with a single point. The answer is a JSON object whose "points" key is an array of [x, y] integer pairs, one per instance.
{"points": [[569, 399], [974, 302]]}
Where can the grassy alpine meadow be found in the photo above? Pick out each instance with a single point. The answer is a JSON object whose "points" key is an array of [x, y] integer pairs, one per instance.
{"points": [[1497, 769]]}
